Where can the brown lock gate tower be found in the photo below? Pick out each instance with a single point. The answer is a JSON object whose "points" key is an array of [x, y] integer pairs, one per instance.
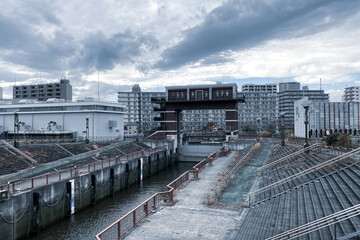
{"points": [[194, 97]]}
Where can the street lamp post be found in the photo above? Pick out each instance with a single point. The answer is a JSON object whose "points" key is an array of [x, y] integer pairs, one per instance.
{"points": [[87, 130], [306, 107], [16, 127], [282, 116]]}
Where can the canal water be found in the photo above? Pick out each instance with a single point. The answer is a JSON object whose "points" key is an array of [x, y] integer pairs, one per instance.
{"points": [[88, 222], [243, 180]]}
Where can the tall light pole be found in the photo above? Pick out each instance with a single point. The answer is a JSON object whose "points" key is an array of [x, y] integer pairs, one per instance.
{"points": [[282, 116], [16, 126], [87, 130], [306, 107]]}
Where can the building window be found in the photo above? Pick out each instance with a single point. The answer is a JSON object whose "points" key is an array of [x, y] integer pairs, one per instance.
{"points": [[177, 95], [227, 93], [206, 94], [217, 93], [182, 94]]}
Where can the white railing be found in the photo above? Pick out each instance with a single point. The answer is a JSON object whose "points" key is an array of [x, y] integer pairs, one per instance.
{"points": [[319, 223], [289, 156], [19, 152], [319, 166]]}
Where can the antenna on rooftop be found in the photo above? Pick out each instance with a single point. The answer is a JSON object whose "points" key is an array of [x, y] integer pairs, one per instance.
{"points": [[98, 87]]}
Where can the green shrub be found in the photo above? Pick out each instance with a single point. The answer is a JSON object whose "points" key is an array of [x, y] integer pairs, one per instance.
{"points": [[331, 139]]}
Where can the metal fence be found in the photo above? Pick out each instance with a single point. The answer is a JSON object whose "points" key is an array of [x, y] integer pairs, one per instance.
{"points": [[240, 157], [29, 183], [43, 139], [120, 227], [267, 190], [26, 173]]}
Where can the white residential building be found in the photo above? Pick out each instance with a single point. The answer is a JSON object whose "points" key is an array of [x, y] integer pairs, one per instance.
{"points": [[140, 109], [270, 88], [259, 111], [352, 94]]}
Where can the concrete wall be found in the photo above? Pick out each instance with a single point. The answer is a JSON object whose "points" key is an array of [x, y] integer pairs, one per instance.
{"points": [[238, 145], [196, 153], [26, 213]]}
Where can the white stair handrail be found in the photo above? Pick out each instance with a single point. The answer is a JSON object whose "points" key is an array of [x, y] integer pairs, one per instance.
{"points": [[319, 223], [302, 173], [19, 152], [289, 156]]}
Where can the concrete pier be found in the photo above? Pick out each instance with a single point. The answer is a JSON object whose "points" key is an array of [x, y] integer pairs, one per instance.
{"points": [[189, 218]]}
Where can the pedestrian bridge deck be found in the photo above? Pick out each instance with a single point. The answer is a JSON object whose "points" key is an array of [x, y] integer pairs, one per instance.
{"points": [[189, 218]]}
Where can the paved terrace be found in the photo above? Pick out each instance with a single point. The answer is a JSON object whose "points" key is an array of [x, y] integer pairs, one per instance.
{"points": [[189, 218]]}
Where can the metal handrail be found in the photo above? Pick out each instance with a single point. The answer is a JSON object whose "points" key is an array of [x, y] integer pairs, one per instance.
{"points": [[289, 156], [33, 162], [89, 167], [170, 193], [230, 173], [319, 223], [302, 173]]}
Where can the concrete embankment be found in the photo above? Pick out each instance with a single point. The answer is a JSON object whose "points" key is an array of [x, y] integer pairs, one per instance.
{"points": [[189, 218], [27, 212], [197, 152]]}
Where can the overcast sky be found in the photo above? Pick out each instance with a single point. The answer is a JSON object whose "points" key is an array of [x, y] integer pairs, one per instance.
{"points": [[160, 43]]}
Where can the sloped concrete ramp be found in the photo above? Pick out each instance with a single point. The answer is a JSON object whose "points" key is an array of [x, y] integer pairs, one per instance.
{"points": [[189, 218]]}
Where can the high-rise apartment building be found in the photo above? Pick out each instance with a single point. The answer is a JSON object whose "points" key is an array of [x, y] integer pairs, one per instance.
{"points": [[287, 86], [270, 88], [290, 94], [1, 93], [259, 110], [197, 120], [351, 94], [140, 109], [42, 92]]}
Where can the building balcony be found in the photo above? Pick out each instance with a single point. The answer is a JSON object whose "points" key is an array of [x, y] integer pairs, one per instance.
{"points": [[158, 109], [158, 99]]}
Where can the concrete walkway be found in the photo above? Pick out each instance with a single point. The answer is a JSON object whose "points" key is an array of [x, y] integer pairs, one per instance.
{"points": [[190, 218]]}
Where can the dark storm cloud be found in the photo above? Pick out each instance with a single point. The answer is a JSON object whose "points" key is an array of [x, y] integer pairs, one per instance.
{"points": [[243, 24], [104, 53], [22, 44]]}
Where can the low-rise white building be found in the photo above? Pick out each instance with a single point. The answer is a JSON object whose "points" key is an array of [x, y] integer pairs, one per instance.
{"points": [[105, 120]]}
